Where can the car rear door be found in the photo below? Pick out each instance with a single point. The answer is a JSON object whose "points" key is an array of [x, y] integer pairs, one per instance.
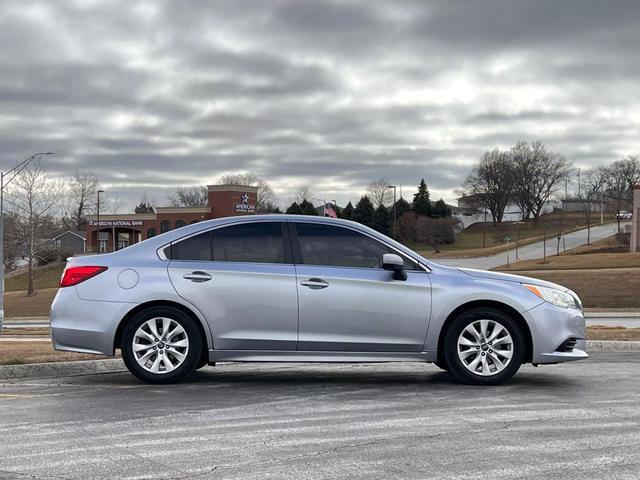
{"points": [[242, 279], [348, 302]]}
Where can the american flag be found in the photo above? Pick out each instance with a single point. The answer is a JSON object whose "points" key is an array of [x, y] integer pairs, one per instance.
{"points": [[329, 211]]}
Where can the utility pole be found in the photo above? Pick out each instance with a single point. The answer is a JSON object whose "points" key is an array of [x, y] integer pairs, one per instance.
{"points": [[15, 171], [394, 211], [484, 230]]}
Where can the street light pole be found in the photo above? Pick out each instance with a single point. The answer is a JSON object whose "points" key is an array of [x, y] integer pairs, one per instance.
{"points": [[98, 220], [394, 211], [16, 171]]}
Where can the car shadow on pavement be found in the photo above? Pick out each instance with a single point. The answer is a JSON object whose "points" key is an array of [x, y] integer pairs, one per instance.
{"points": [[355, 376]]}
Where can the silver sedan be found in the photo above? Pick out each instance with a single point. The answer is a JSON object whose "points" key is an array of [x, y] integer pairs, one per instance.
{"points": [[287, 288]]}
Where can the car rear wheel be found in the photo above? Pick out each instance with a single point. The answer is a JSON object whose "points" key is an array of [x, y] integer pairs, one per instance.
{"points": [[161, 345], [484, 347]]}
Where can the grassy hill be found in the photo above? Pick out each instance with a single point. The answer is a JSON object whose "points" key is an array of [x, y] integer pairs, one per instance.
{"points": [[45, 277], [525, 232]]}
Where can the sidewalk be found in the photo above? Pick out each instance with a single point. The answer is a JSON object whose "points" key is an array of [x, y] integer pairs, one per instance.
{"points": [[609, 318]]}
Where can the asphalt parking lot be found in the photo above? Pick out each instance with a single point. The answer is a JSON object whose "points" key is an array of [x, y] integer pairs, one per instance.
{"points": [[577, 420]]}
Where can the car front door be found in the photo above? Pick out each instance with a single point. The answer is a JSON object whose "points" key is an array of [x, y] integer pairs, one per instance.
{"points": [[348, 302], [241, 277]]}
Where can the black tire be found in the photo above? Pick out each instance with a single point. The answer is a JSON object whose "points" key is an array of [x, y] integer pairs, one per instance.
{"points": [[201, 364], [193, 353], [456, 365]]}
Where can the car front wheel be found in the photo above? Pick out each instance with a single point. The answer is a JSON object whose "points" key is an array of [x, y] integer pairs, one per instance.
{"points": [[484, 347], [161, 345]]}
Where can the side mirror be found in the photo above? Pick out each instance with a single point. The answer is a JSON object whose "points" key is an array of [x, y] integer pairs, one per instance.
{"points": [[394, 263]]}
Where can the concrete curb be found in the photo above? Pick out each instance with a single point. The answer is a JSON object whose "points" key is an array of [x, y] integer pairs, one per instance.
{"points": [[595, 315], [61, 369], [612, 346]]}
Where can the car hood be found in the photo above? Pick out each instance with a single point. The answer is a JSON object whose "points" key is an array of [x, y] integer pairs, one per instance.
{"points": [[507, 277]]}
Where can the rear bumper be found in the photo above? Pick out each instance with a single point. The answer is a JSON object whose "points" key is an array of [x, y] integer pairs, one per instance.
{"points": [[85, 326], [551, 326]]}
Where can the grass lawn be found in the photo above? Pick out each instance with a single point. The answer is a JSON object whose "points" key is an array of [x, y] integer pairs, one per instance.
{"points": [[16, 353], [599, 287], [45, 277], [613, 333], [605, 253], [18, 304], [577, 262], [469, 242]]}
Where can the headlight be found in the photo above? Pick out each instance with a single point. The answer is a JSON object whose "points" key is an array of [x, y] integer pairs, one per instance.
{"points": [[554, 296]]}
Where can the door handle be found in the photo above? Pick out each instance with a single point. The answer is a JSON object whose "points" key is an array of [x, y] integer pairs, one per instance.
{"points": [[197, 277], [315, 283]]}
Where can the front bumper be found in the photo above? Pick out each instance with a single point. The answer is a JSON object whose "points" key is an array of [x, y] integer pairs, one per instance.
{"points": [[85, 326], [551, 327]]}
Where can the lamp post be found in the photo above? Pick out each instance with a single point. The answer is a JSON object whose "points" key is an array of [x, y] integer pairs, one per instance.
{"points": [[394, 210], [15, 171], [98, 219]]}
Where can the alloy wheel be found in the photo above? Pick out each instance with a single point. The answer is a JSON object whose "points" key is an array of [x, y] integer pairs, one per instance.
{"points": [[485, 347], [160, 345]]}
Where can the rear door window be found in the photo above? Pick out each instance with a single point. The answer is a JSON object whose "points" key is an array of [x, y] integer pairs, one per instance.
{"points": [[258, 242]]}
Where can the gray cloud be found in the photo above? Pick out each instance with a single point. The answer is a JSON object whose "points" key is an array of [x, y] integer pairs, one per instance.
{"points": [[152, 95]]}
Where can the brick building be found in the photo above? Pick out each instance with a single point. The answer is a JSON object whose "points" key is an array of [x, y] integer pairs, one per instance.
{"points": [[127, 229]]}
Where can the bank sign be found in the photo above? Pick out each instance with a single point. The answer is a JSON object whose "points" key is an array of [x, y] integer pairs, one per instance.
{"points": [[244, 206], [116, 223]]}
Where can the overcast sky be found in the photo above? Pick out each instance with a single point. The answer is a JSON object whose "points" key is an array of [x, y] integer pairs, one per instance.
{"points": [[152, 95]]}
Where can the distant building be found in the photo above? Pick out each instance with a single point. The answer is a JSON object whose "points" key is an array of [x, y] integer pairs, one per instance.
{"points": [[470, 210], [70, 242], [116, 231], [322, 210], [580, 205]]}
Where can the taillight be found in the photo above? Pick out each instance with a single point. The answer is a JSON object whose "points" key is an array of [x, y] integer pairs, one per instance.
{"points": [[75, 275]]}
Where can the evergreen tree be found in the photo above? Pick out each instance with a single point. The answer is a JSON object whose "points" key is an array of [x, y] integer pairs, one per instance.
{"points": [[144, 207], [347, 212], [307, 208], [402, 206], [294, 209], [364, 211], [441, 209], [382, 220], [421, 202]]}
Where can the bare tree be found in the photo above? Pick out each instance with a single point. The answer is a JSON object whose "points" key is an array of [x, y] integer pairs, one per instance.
{"points": [[80, 197], [621, 176], [587, 197], [190, 197], [537, 172], [13, 242], [303, 192], [492, 182], [523, 174], [379, 193], [34, 197], [594, 182], [266, 198]]}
